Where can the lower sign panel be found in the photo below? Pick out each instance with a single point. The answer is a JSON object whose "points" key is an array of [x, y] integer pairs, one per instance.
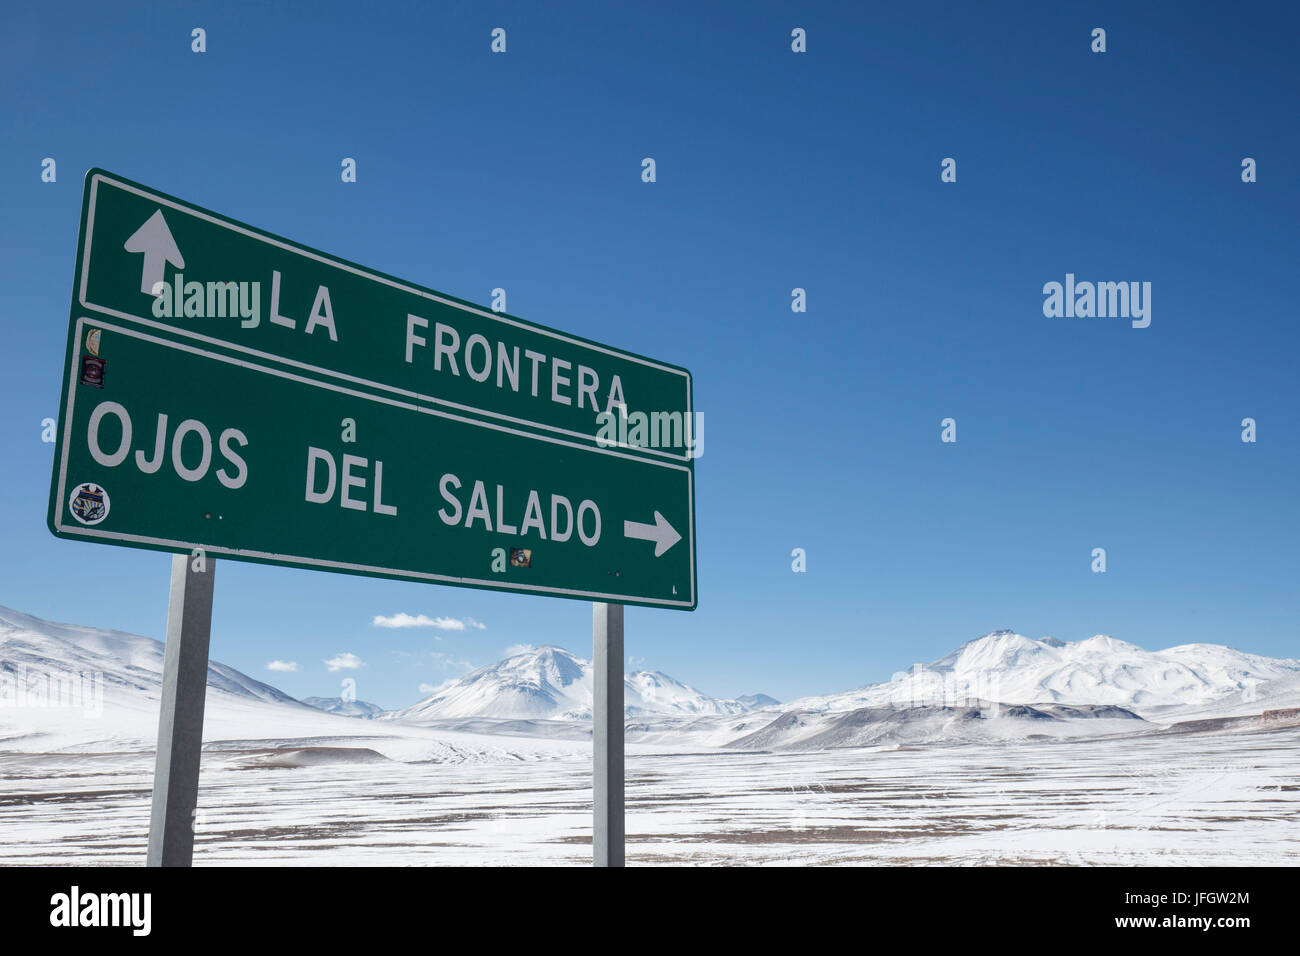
{"points": [[167, 446]]}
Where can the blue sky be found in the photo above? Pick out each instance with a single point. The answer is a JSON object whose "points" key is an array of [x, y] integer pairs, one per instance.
{"points": [[775, 170]]}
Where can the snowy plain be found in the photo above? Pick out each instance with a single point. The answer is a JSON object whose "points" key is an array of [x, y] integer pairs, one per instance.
{"points": [[1158, 800], [463, 778]]}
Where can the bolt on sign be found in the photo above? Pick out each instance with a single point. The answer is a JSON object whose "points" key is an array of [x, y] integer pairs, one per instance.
{"points": [[231, 390]]}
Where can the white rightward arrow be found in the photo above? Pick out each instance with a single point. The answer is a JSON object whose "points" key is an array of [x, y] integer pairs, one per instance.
{"points": [[155, 240], [661, 533]]}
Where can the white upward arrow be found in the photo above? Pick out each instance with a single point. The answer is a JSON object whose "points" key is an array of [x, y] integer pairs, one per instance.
{"points": [[155, 240], [661, 533]]}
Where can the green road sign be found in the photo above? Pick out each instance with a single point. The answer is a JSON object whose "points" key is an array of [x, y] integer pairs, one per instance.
{"points": [[153, 260], [172, 446], [229, 390]]}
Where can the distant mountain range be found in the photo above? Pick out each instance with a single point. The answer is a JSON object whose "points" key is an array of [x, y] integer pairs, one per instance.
{"points": [[1010, 668], [1000, 686], [1001, 667], [545, 683], [552, 683], [970, 722], [130, 666]]}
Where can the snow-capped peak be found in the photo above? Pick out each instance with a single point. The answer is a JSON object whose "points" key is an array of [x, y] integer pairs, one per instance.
{"points": [[1102, 670], [550, 682], [127, 666]]}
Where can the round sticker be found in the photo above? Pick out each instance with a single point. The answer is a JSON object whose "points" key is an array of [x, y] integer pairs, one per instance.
{"points": [[89, 504]]}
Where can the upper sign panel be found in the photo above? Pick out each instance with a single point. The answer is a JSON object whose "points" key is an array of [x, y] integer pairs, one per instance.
{"points": [[169, 265]]}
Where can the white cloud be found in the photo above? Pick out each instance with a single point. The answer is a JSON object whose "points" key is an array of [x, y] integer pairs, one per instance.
{"points": [[514, 649], [346, 661], [289, 666], [431, 689], [402, 619]]}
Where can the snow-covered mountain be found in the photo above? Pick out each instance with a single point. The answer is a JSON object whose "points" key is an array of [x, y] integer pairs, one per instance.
{"points": [[973, 722], [551, 683], [1009, 668], [41, 657], [1042, 688], [77, 691], [68, 687], [344, 707]]}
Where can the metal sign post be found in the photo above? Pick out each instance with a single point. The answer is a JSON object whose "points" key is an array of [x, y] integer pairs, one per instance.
{"points": [[607, 735], [180, 720]]}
